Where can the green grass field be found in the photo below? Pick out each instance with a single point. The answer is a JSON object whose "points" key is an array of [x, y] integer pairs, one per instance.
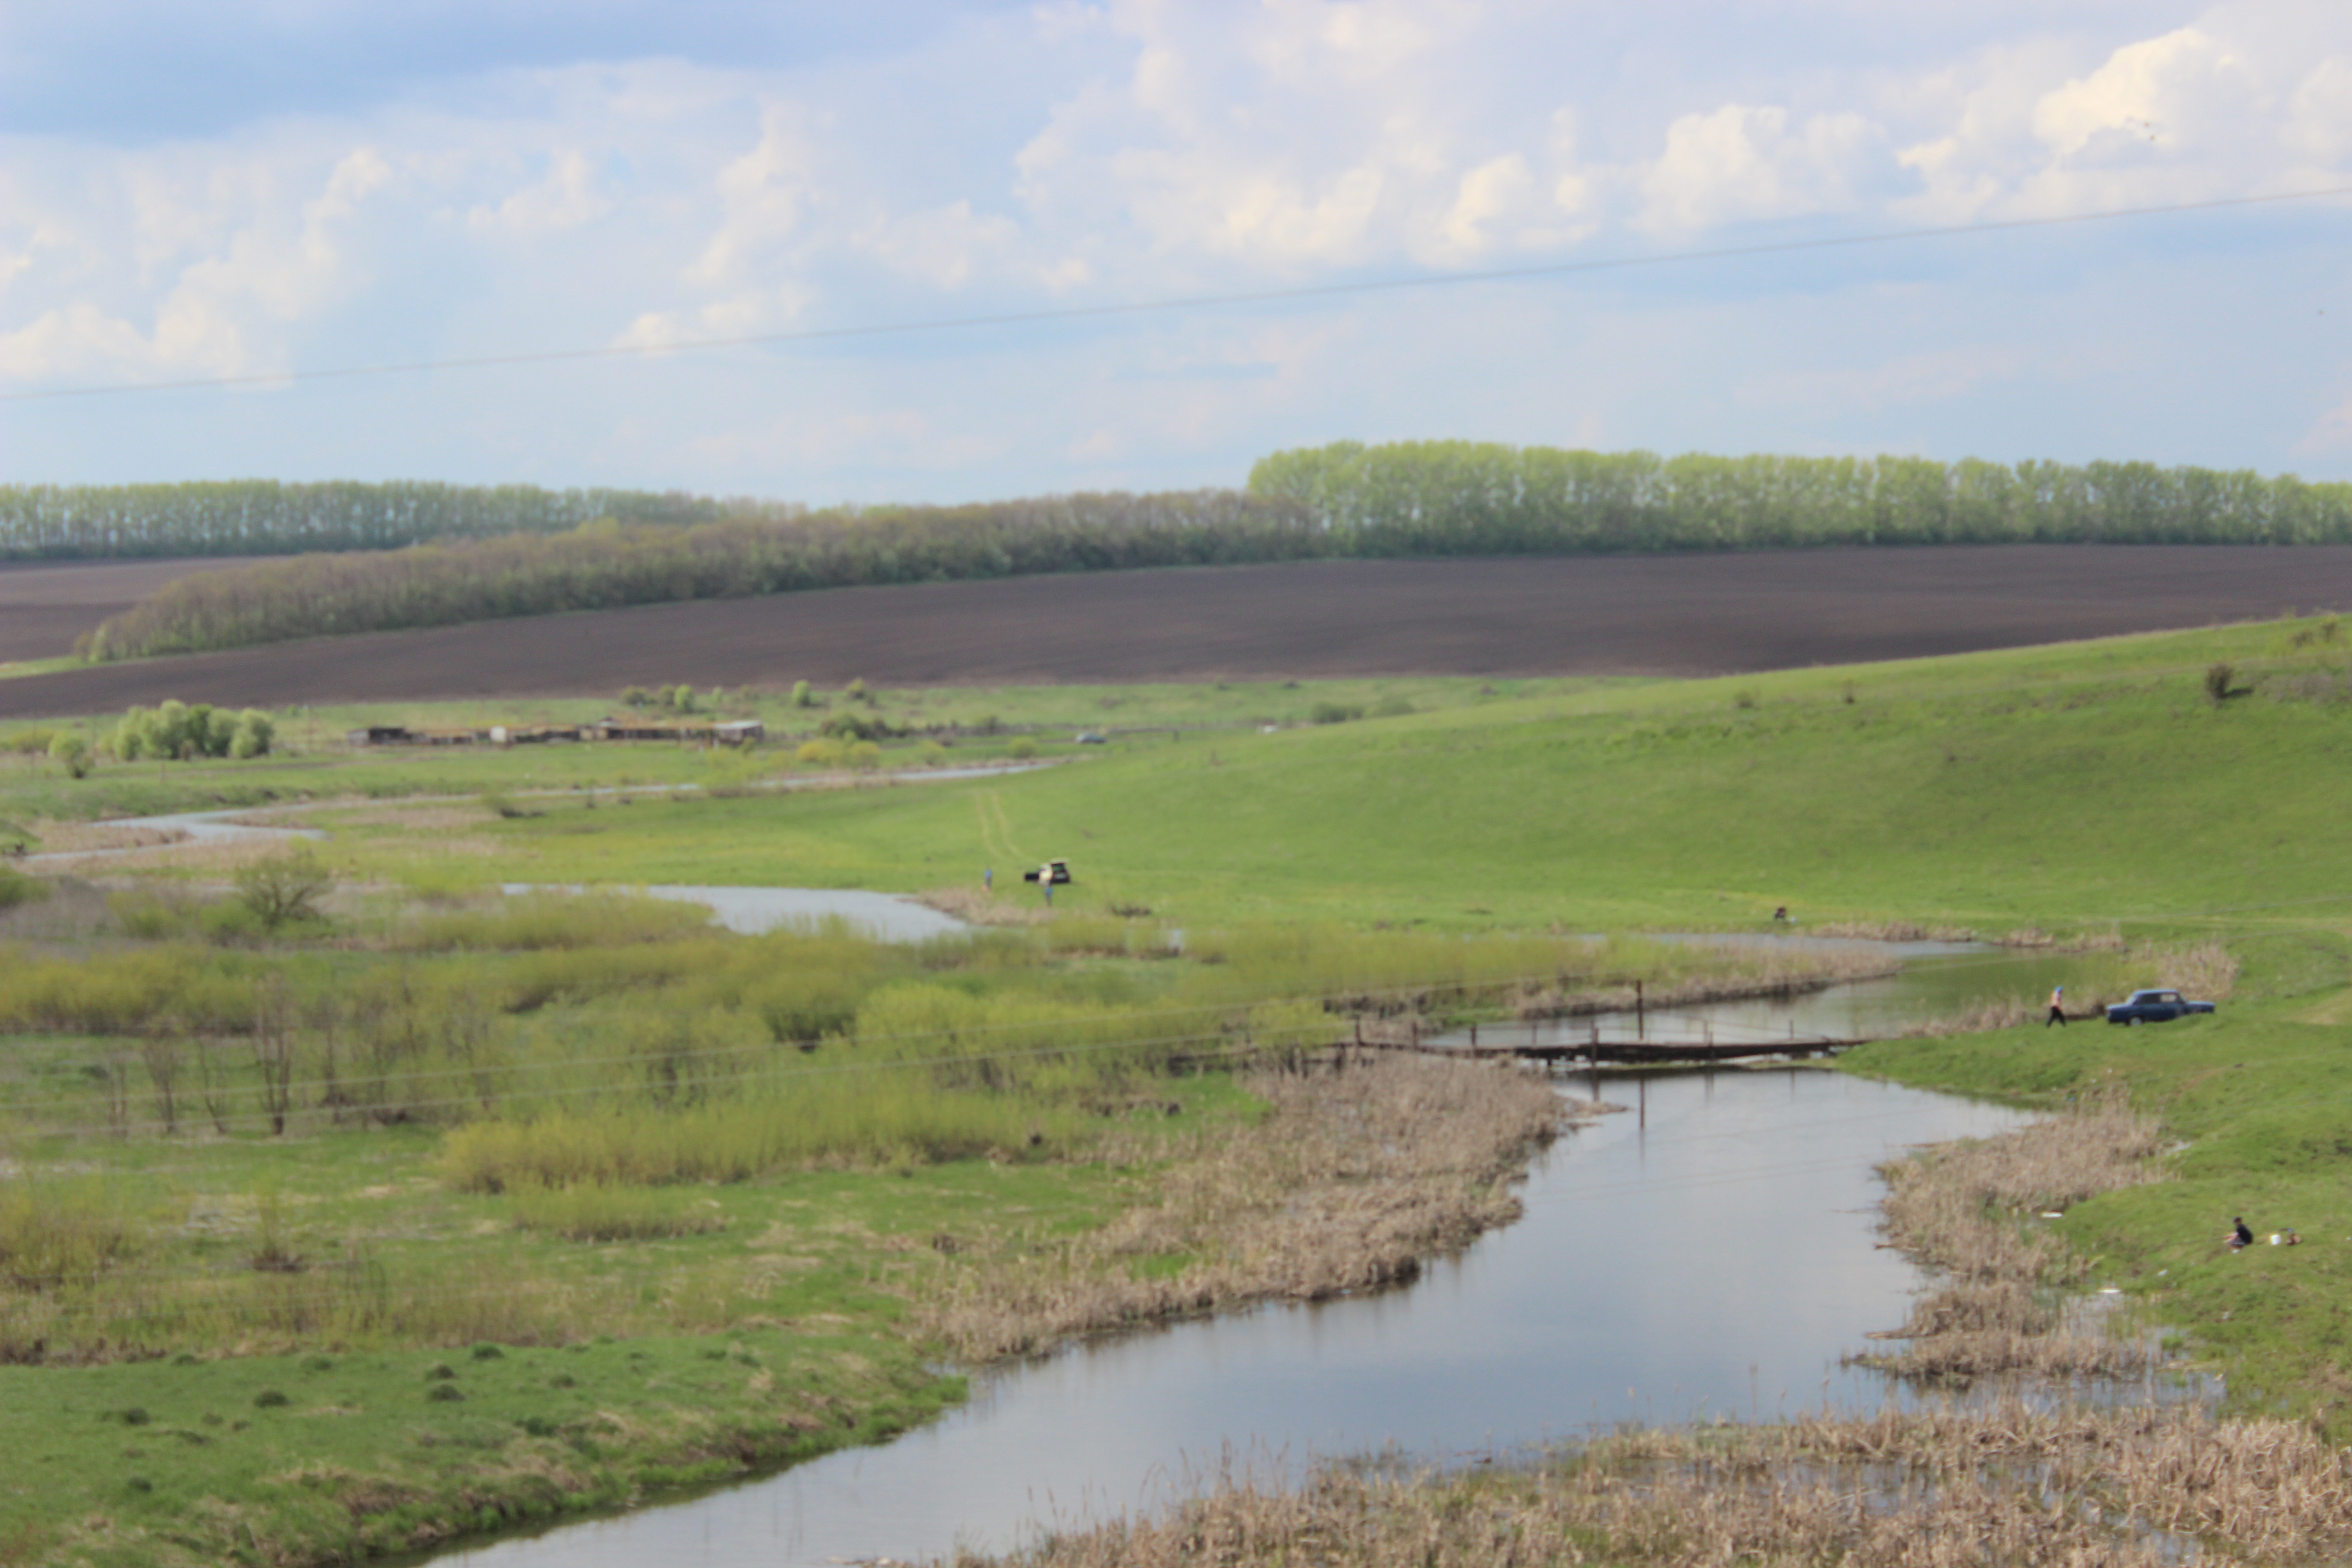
{"points": [[2088, 784], [2091, 787]]}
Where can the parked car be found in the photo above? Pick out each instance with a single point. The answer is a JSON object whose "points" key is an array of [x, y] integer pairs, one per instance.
{"points": [[2154, 1007], [1055, 871], [1093, 738]]}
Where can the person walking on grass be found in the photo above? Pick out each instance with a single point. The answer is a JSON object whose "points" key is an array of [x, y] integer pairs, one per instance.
{"points": [[2057, 1009], [988, 880]]}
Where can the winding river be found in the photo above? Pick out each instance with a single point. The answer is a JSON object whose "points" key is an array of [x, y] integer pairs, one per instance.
{"points": [[1709, 1251], [1713, 1253]]}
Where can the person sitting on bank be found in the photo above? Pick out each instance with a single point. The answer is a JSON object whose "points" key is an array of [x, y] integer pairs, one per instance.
{"points": [[2240, 1233], [2057, 1009]]}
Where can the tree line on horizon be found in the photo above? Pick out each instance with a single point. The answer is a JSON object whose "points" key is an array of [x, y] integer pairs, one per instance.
{"points": [[609, 565], [1469, 498], [266, 516], [1401, 498]]}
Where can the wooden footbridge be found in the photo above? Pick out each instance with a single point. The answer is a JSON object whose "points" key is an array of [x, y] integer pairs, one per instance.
{"points": [[1564, 1051]]}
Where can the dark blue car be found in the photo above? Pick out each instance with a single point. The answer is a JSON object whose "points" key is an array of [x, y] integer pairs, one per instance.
{"points": [[2155, 1007]]}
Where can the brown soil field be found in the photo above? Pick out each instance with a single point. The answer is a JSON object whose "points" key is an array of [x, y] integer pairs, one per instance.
{"points": [[44, 606], [1650, 615]]}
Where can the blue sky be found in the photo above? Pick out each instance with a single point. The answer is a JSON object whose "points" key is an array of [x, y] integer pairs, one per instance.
{"points": [[253, 187]]}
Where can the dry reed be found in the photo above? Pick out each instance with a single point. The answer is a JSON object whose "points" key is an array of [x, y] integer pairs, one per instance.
{"points": [[979, 907], [1892, 931], [1761, 973], [1354, 1178], [1915, 1488], [1965, 1210]]}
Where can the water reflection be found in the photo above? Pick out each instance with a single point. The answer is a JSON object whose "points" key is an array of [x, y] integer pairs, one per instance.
{"points": [[755, 911], [1713, 1256], [1930, 986]]}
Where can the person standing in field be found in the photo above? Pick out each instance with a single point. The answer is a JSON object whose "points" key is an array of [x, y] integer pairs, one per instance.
{"points": [[2057, 1007], [988, 880]]}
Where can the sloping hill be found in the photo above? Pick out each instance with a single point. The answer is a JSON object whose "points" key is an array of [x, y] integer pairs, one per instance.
{"points": [[1652, 614]]}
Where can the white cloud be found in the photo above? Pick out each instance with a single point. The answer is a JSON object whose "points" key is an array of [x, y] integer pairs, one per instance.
{"points": [[1744, 161], [765, 195], [2166, 92], [568, 197], [1143, 150]]}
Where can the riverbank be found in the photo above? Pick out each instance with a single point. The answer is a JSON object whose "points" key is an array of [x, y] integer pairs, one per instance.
{"points": [[354, 1448], [2029, 1476]]}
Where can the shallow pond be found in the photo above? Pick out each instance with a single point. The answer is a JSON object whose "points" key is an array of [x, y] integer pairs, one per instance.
{"points": [[752, 911], [1714, 1255]]}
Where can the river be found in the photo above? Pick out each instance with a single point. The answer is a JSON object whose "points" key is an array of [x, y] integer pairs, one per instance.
{"points": [[1712, 1255]]}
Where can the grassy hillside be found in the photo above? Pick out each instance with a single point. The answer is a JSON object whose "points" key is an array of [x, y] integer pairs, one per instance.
{"points": [[2085, 785]]}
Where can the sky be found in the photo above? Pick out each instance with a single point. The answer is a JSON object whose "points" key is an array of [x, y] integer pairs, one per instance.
{"points": [[937, 215]]}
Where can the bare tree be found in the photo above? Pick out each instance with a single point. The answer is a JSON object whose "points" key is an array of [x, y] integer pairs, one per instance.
{"points": [[273, 1049], [159, 1049]]}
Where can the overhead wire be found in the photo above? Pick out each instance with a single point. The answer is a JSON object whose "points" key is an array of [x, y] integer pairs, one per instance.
{"points": [[1075, 313]]}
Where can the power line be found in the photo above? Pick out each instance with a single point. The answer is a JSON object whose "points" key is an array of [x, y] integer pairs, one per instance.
{"points": [[1170, 306]]}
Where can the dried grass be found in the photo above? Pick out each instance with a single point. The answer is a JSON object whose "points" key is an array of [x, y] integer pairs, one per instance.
{"points": [[1922, 1489], [2108, 941], [86, 837], [1965, 1210], [1769, 972], [1355, 1177], [2206, 970], [1892, 931], [976, 906]]}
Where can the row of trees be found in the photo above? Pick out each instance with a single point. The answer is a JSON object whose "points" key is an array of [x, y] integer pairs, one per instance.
{"points": [[607, 564], [263, 517], [1464, 498], [1429, 497]]}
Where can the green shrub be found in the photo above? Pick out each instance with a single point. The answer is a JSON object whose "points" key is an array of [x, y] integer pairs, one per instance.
{"points": [[270, 1399], [803, 696], [54, 1234], [284, 889], [16, 888], [847, 726], [821, 753], [71, 752], [1022, 749], [1334, 714]]}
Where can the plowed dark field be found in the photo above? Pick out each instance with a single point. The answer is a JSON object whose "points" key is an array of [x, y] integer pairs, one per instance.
{"points": [[1676, 615], [44, 606]]}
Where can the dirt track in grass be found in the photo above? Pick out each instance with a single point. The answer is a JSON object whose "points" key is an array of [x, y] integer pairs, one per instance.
{"points": [[1648, 615]]}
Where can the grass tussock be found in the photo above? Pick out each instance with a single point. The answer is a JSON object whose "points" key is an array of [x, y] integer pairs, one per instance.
{"points": [[856, 1119], [552, 919], [1968, 1211], [1903, 1489], [608, 1213], [1354, 1178]]}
